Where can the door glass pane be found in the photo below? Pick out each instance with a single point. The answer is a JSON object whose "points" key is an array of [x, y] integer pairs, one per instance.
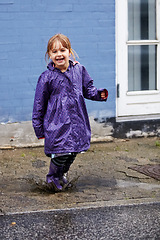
{"points": [[142, 68], [141, 19]]}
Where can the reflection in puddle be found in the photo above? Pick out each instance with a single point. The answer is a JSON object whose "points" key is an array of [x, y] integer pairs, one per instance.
{"points": [[147, 186]]}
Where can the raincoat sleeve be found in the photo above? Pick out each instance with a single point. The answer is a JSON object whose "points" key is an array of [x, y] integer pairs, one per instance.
{"points": [[89, 90], [40, 106]]}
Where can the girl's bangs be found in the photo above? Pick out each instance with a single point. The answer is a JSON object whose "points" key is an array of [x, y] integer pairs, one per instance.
{"points": [[63, 41]]}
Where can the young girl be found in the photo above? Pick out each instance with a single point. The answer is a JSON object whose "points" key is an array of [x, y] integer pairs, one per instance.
{"points": [[59, 112]]}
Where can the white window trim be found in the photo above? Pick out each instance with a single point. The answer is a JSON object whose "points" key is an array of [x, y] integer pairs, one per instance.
{"points": [[143, 42]]}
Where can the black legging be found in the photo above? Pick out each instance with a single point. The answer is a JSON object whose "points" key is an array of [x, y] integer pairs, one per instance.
{"points": [[64, 161]]}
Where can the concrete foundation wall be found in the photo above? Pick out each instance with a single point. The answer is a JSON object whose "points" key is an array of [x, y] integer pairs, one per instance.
{"points": [[22, 134]]}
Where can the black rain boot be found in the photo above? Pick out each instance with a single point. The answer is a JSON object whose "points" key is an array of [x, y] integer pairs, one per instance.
{"points": [[66, 168], [65, 173]]}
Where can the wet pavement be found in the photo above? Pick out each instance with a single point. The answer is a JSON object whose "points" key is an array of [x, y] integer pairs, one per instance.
{"points": [[125, 222], [106, 186]]}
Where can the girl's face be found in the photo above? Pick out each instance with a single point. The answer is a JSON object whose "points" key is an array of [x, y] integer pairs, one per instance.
{"points": [[60, 56]]}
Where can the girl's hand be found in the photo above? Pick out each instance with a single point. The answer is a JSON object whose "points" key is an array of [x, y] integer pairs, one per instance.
{"points": [[104, 94]]}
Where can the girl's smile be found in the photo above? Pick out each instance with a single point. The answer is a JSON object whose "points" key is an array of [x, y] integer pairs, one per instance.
{"points": [[60, 56]]}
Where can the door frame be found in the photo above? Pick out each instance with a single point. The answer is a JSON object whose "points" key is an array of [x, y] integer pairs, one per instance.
{"points": [[122, 71]]}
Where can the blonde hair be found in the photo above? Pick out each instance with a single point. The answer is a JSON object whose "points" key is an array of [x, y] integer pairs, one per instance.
{"points": [[65, 43]]}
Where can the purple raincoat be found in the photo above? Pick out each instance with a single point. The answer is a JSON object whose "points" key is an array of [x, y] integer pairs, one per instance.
{"points": [[59, 112]]}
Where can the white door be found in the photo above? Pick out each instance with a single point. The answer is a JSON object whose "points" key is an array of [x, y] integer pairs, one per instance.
{"points": [[138, 59]]}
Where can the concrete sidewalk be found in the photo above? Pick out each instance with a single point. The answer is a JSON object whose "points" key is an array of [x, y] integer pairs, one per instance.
{"points": [[105, 177]]}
